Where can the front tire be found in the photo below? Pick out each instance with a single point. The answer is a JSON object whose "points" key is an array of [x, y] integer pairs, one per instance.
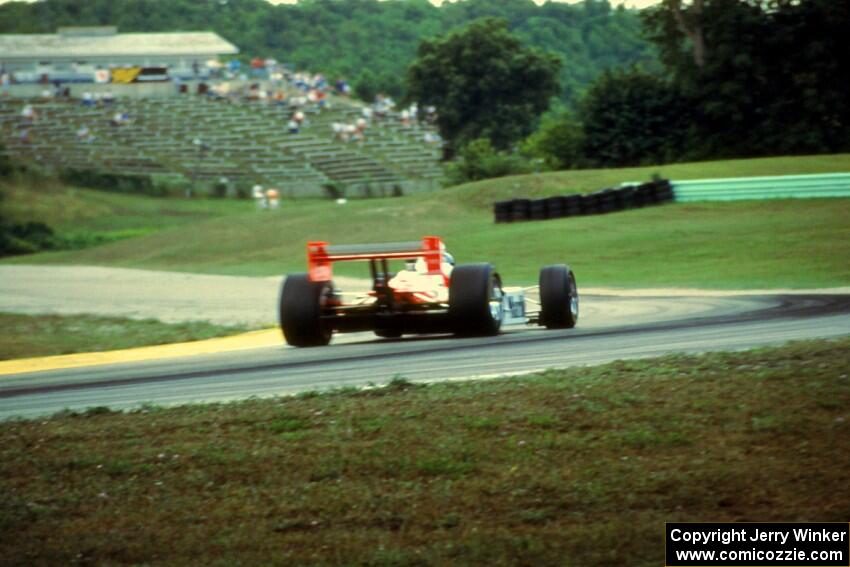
{"points": [[475, 300], [558, 297], [301, 305]]}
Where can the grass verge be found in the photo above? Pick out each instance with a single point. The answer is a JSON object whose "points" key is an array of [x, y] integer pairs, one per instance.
{"points": [[24, 336], [579, 466], [782, 243], [88, 216]]}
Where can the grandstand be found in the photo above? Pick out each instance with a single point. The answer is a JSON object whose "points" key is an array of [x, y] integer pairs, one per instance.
{"points": [[201, 139]]}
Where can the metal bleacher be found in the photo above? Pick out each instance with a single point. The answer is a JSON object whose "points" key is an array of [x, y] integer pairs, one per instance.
{"points": [[203, 139]]}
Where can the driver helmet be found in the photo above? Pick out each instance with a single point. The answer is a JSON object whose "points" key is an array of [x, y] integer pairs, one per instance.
{"points": [[448, 259], [421, 265]]}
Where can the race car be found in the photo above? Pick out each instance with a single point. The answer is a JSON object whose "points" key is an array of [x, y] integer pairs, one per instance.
{"points": [[429, 294]]}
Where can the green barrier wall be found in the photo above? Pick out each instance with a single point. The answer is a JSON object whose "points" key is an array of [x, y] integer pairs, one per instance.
{"points": [[756, 188]]}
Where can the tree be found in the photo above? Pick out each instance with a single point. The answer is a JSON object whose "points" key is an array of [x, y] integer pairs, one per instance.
{"points": [[366, 86], [689, 22], [771, 78], [631, 117], [484, 83]]}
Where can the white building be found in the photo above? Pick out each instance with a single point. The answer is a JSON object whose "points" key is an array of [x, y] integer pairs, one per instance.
{"points": [[76, 54]]}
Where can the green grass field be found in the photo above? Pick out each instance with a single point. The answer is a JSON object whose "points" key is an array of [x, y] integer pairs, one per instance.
{"points": [[72, 211], [783, 243], [576, 467], [23, 336]]}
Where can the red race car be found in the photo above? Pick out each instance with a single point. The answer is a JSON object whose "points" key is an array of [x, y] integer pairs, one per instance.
{"points": [[428, 295]]}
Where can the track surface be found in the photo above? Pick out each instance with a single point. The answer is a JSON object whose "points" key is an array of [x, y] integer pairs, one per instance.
{"points": [[611, 327]]}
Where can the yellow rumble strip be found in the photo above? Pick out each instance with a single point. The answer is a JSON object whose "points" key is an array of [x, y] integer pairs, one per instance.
{"points": [[254, 339]]}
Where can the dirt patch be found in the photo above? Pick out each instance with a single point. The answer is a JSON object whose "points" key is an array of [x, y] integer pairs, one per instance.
{"points": [[139, 294]]}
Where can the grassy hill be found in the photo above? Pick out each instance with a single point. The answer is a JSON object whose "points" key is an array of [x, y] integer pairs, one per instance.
{"points": [[782, 243]]}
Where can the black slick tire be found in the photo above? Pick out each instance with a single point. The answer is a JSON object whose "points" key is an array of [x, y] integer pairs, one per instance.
{"points": [[558, 297], [475, 293], [388, 333], [300, 311]]}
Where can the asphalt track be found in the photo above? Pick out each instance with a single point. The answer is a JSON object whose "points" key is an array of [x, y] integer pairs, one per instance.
{"points": [[611, 327]]}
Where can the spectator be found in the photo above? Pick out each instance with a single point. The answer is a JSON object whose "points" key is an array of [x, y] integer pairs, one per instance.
{"points": [[108, 98], [84, 135], [380, 107], [342, 87], [258, 67], [28, 113], [5, 81], [352, 133], [259, 196], [432, 138], [431, 114], [120, 118], [292, 126]]}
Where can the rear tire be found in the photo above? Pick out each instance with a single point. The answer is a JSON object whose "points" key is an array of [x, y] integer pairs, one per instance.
{"points": [[388, 333], [300, 308], [475, 300], [558, 297]]}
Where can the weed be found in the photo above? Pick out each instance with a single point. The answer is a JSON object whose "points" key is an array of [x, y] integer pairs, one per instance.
{"points": [[287, 425]]}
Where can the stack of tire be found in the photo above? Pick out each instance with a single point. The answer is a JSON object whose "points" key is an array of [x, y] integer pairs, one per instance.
{"points": [[609, 200]]}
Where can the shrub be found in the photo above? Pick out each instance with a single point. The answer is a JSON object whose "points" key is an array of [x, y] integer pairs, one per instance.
{"points": [[334, 190], [26, 238], [559, 142], [115, 182], [479, 160]]}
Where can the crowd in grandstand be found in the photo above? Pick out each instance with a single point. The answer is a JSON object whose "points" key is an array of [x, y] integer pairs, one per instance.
{"points": [[299, 93]]}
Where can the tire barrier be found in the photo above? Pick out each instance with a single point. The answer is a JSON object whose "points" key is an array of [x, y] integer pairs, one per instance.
{"points": [[608, 200]]}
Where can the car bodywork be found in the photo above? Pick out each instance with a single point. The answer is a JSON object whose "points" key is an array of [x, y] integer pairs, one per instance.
{"points": [[437, 298]]}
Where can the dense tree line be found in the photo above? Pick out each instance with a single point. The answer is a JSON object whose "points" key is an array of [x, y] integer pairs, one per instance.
{"points": [[739, 78], [763, 77], [369, 42]]}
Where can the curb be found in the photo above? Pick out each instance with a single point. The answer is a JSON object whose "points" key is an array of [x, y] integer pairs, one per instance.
{"points": [[253, 339]]}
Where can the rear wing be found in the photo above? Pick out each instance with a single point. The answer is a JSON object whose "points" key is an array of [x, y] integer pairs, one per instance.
{"points": [[321, 255]]}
